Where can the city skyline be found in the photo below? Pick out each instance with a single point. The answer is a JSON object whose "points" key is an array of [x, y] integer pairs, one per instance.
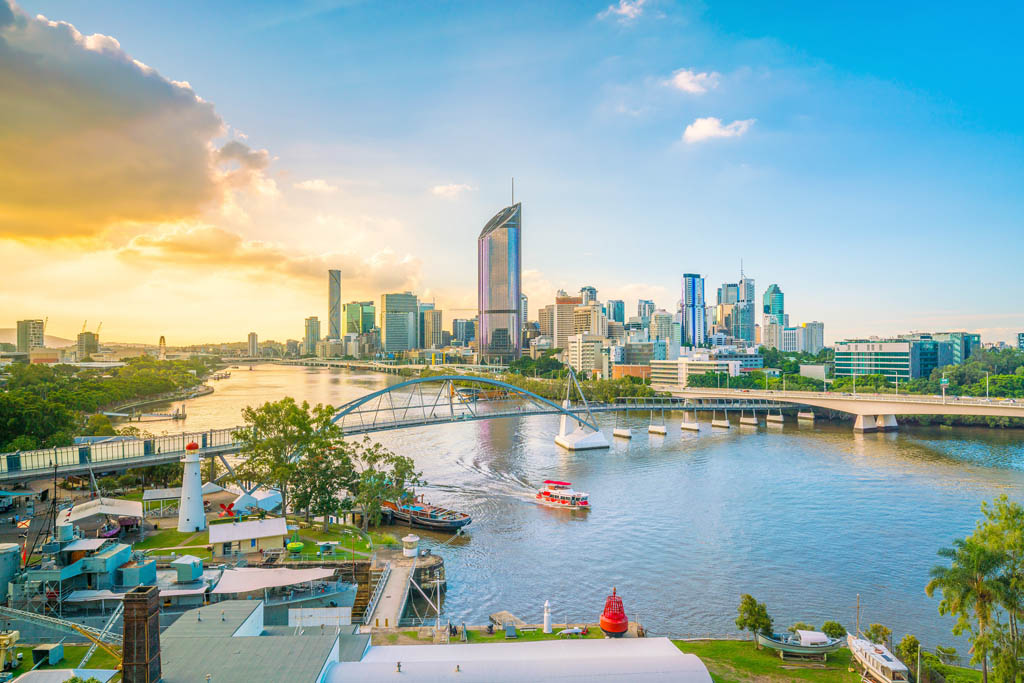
{"points": [[725, 117]]}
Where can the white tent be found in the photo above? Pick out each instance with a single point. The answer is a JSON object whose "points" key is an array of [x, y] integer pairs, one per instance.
{"points": [[114, 507], [248, 579]]}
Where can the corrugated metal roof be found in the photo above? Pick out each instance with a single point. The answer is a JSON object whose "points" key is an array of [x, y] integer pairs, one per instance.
{"points": [[244, 660], [241, 531]]}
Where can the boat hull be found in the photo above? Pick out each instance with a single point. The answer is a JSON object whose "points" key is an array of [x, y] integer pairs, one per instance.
{"points": [[796, 648], [427, 522]]}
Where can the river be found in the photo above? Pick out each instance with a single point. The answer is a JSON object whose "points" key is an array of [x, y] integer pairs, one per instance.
{"points": [[802, 517]]}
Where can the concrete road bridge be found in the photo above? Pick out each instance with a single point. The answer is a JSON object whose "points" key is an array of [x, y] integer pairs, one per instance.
{"points": [[873, 412], [415, 403]]}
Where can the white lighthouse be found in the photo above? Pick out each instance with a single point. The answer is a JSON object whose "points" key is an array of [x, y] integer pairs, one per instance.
{"points": [[191, 516]]}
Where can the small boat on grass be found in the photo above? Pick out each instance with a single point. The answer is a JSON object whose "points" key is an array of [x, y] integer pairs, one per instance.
{"points": [[559, 494], [422, 514], [800, 643], [878, 663]]}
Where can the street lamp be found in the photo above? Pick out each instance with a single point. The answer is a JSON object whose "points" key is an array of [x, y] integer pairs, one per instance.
{"points": [[986, 386]]}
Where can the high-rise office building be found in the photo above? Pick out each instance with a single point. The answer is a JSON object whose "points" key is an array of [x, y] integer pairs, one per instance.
{"points": [[588, 319], [814, 336], [963, 344], [661, 325], [728, 293], [644, 309], [312, 335], [616, 310], [433, 334], [421, 330], [1020, 341], [743, 314], [30, 335], [462, 330], [564, 324], [546, 321], [352, 318], [524, 310], [254, 345], [334, 329], [694, 326], [773, 305], [399, 322], [88, 344], [588, 294], [499, 286]]}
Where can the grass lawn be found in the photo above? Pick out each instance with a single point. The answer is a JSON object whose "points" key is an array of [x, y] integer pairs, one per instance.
{"points": [[166, 538], [481, 636], [738, 661], [348, 537], [72, 656]]}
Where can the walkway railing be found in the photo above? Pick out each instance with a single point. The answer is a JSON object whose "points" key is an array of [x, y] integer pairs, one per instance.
{"points": [[796, 396], [378, 590]]}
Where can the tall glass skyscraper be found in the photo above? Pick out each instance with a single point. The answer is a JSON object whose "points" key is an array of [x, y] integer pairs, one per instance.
{"points": [[334, 304], [774, 308], [499, 268], [617, 310], [693, 310]]}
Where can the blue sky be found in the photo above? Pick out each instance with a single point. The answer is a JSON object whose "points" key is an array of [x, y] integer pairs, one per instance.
{"points": [[868, 157]]}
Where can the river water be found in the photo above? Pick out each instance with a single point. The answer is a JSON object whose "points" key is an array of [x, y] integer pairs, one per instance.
{"points": [[804, 518]]}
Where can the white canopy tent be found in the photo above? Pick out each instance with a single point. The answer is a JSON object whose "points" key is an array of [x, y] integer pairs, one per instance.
{"points": [[249, 579], [114, 507]]}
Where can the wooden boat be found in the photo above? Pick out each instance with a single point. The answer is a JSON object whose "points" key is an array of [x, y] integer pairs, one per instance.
{"points": [[422, 514], [800, 644], [878, 663]]}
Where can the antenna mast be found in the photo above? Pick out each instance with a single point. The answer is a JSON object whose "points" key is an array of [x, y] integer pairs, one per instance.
{"points": [[513, 190]]}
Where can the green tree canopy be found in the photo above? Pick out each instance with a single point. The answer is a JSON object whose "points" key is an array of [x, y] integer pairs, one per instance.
{"points": [[753, 616]]}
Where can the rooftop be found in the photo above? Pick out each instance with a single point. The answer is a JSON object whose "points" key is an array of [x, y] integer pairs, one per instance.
{"points": [[240, 531]]}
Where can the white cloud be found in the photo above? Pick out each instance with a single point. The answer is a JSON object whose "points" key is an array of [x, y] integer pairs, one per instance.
{"points": [[690, 81], [451, 191], [316, 185], [710, 127], [625, 12]]}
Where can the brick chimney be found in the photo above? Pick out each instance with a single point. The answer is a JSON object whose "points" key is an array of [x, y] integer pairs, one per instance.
{"points": [[141, 660]]}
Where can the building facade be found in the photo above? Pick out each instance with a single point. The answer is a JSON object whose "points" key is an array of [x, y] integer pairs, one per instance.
{"points": [[677, 372], [896, 359], [433, 333], [334, 329], [617, 310], [773, 305], [399, 322], [254, 345], [546, 320], [312, 335], [814, 337], [588, 294], [88, 344], [499, 286], [694, 326], [30, 335], [661, 325], [644, 309], [583, 352], [564, 319]]}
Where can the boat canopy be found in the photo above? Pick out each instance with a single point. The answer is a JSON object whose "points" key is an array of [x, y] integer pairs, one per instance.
{"points": [[557, 483], [812, 637]]}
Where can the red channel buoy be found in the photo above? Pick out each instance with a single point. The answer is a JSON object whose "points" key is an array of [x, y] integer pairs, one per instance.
{"points": [[613, 620]]}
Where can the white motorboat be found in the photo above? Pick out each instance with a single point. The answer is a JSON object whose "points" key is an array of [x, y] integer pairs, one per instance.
{"points": [[878, 662]]}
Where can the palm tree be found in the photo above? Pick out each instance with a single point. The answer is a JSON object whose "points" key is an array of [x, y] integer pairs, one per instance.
{"points": [[971, 588]]}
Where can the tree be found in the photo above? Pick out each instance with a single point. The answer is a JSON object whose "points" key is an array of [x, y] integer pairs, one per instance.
{"points": [[753, 616], [274, 433], [99, 425], [878, 633], [380, 475], [324, 468], [801, 626], [833, 629], [971, 588], [907, 650]]}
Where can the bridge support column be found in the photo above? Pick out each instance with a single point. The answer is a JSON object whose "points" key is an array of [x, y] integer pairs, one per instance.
{"points": [[805, 416], [865, 423], [886, 423]]}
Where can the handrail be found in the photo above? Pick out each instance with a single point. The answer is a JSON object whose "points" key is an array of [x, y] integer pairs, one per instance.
{"points": [[377, 591]]}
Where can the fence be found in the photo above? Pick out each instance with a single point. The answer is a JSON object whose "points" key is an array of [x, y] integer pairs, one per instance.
{"points": [[377, 591]]}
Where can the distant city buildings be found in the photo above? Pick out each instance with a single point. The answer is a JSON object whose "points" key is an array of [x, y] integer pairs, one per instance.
{"points": [[312, 335], [644, 309], [563, 318], [616, 310], [773, 307], [1020, 341], [334, 329], [399, 322], [424, 308], [88, 344], [254, 346], [694, 325], [463, 331], [499, 287], [588, 294], [433, 333], [30, 335]]}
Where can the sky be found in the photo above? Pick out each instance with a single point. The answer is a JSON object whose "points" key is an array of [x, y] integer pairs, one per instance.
{"points": [[192, 169]]}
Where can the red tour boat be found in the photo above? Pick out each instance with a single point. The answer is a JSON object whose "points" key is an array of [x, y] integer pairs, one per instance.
{"points": [[613, 620], [559, 494]]}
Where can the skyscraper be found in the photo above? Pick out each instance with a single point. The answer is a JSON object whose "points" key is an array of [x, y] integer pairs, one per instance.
{"points": [[88, 344], [334, 330], [693, 310], [352, 318], [433, 337], [399, 322], [661, 325], [499, 286], [254, 345], [773, 306], [312, 335], [422, 329], [617, 310], [588, 294], [462, 330], [729, 293], [564, 323], [30, 335], [743, 314], [644, 309], [524, 310]]}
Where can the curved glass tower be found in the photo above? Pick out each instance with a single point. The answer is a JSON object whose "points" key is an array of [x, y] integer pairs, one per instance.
{"points": [[499, 262]]}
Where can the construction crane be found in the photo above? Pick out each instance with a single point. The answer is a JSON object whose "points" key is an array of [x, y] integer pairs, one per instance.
{"points": [[98, 328], [110, 643], [84, 323]]}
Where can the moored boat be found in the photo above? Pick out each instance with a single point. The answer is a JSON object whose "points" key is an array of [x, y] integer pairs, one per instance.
{"points": [[878, 663], [422, 514], [559, 494], [800, 644]]}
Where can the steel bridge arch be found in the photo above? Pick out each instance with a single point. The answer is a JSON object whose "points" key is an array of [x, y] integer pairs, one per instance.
{"points": [[350, 407]]}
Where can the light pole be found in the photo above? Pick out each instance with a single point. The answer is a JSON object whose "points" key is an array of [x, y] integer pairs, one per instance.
{"points": [[986, 386], [943, 388]]}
